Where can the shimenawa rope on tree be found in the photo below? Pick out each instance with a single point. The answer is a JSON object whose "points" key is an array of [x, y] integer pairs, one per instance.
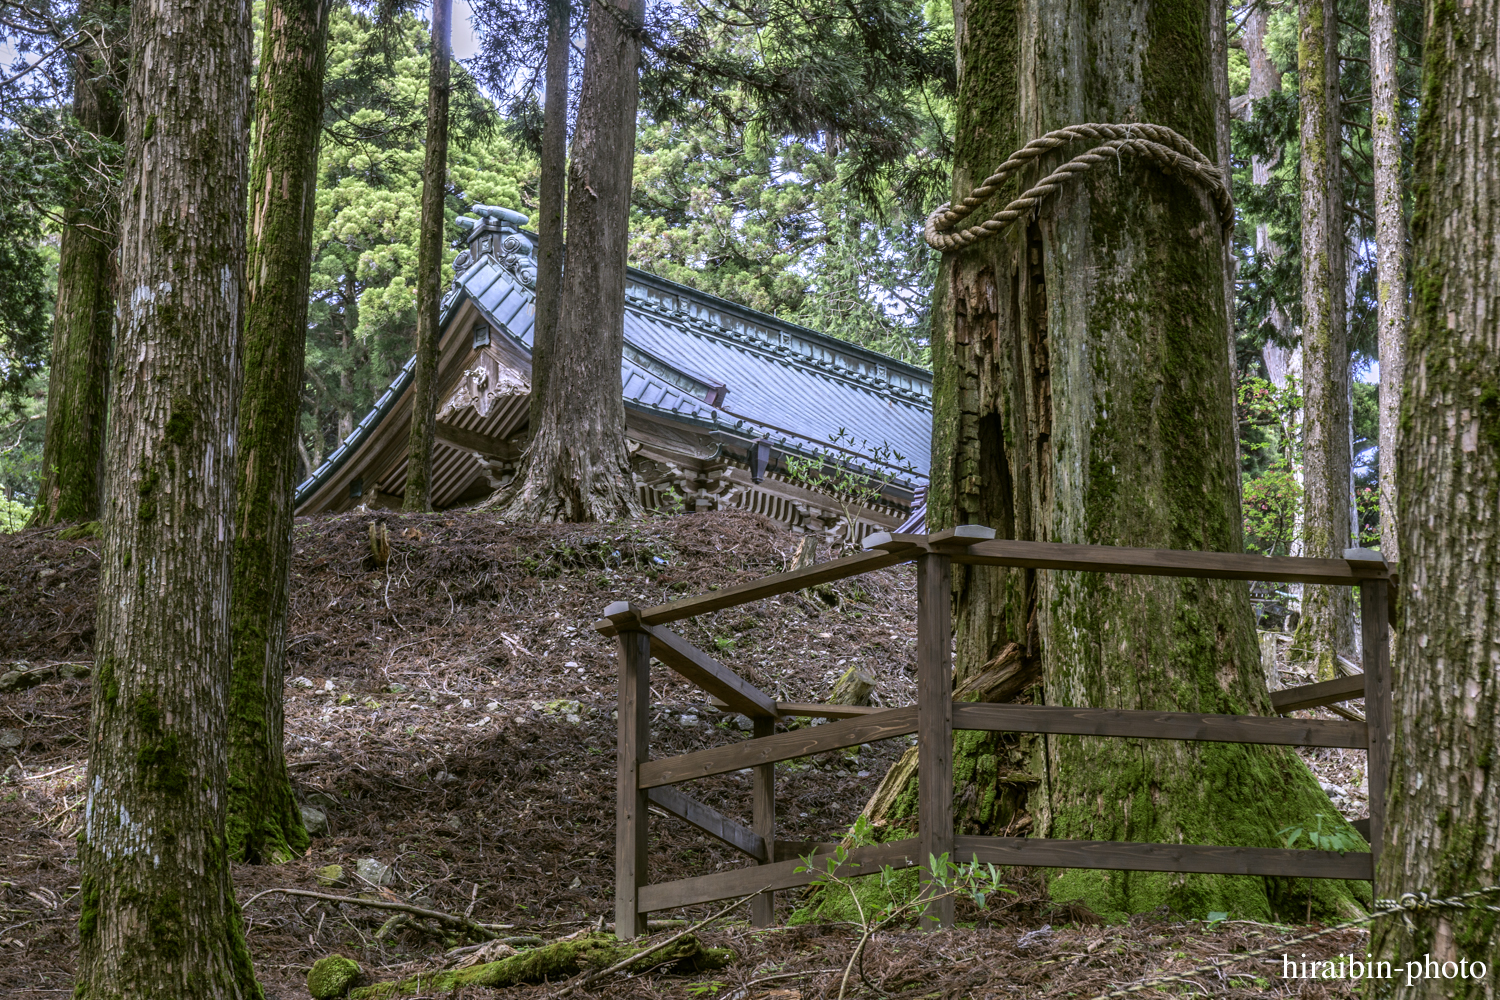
{"points": [[1156, 144]]}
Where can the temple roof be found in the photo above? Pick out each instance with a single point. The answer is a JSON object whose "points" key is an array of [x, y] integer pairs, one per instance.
{"points": [[708, 362]]}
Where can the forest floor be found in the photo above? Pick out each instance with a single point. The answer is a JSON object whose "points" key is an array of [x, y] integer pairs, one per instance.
{"points": [[450, 715]]}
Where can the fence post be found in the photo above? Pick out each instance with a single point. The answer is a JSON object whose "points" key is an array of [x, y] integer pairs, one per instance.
{"points": [[935, 723], [634, 747], [763, 822], [1374, 618]]}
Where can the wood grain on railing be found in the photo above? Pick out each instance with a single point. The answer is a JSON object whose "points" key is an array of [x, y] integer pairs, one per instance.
{"points": [[782, 875], [1160, 725], [782, 746], [710, 821], [1319, 694], [1162, 857]]}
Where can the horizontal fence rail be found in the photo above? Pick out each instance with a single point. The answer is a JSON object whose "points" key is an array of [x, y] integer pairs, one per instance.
{"points": [[644, 783]]}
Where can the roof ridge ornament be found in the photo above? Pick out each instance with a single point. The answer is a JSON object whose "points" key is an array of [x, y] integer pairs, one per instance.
{"points": [[496, 234]]}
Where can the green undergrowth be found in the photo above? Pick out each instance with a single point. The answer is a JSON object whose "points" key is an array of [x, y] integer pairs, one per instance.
{"points": [[549, 963]]}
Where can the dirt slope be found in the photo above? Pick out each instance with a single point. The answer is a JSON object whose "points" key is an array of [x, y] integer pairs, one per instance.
{"points": [[450, 713]]}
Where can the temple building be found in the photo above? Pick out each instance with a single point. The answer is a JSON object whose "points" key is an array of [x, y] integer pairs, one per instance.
{"points": [[724, 406]]}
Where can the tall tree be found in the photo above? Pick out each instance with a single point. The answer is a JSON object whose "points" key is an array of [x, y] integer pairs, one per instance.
{"points": [[1082, 394], [1390, 243], [264, 823], [430, 264], [73, 452], [1442, 831], [577, 468], [1326, 630], [550, 191], [158, 915]]}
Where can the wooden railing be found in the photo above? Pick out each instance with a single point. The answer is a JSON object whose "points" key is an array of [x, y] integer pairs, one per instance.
{"points": [[642, 634]]}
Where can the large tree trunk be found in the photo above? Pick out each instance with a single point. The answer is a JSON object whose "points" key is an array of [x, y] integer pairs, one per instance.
{"points": [[554, 165], [1327, 626], [577, 468], [73, 449], [1083, 395], [1265, 80], [158, 914], [264, 823], [430, 266], [1442, 832], [1390, 260]]}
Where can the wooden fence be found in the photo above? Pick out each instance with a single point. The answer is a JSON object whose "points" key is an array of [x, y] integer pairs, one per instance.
{"points": [[642, 635]]}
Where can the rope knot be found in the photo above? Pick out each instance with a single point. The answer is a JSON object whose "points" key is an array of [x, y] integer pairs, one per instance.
{"points": [[1170, 152]]}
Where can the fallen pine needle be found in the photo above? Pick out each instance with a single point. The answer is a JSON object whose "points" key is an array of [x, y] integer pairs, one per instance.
{"points": [[381, 904], [593, 977]]}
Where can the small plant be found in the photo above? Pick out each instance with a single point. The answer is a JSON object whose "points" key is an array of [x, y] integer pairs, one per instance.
{"points": [[901, 900], [705, 989], [851, 486], [1333, 840]]}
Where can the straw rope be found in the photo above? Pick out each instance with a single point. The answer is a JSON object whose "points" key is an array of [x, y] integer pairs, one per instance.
{"points": [[1156, 144]]}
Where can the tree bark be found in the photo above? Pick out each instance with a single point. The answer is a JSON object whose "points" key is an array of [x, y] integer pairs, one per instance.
{"points": [[1265, 79], [1083, 395], [83, 318], [577, 468], [430, 265], [550, 192], [1442, 831], [158, 911], [264, 822], [1390, 259], [1327, 626]]}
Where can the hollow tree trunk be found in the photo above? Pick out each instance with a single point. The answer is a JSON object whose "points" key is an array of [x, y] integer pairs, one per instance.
{"points": [[554, 165], [430, 266], [82, 320], [1390, 259], [1442, 830], [264, 823], [1327, 626], [1083, 395], [158, 914], [577, 468]]}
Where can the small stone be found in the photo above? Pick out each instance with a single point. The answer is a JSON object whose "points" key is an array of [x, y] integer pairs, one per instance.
{"points": [[316, 821], [571, 664], [331, 875], [10, 739], [12, 775], [332, 976], [688, 720], [21, 680], [300, 682], [373, 871], [74, 671], [744, 723], [395, 687]]}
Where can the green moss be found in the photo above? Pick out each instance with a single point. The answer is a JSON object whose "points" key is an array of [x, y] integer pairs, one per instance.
{"points": [[332, 977], [147, 490], [109, 686], [179, 424], [149, 130], [559, 960], [168, 929], [88, 916], [89, 529]]}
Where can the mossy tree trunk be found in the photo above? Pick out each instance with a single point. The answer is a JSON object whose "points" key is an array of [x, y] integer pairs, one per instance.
{"points": [[577, 468], [1442, 829], [159, 917], [1327, 626], [430, 265], [1390, 255], [264, 823], [83, 318], [1083, 395], [554, 166]]}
